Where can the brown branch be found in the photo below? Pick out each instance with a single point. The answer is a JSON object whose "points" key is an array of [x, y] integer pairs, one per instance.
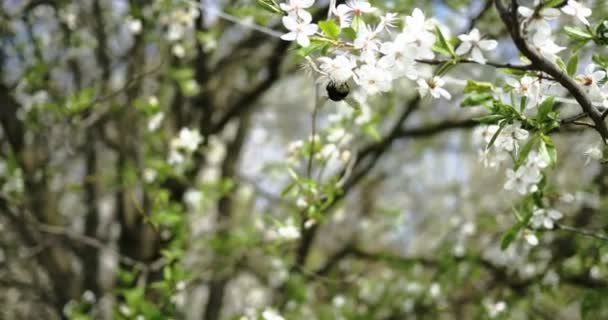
{"points": [[441, 127], [435, 62]]}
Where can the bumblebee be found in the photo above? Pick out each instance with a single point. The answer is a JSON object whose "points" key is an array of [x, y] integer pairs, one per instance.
{"points": [[337, 91]]}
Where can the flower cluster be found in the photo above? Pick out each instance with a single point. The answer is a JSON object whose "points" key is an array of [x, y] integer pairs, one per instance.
{"points": [[544, 218], [178, 24], [184, 144], [373, 57]]}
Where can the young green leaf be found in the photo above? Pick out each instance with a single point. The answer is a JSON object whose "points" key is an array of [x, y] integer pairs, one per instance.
{"points": [[443, 44], [509, 236], [572, 65], [330, 28], [545, 107]]}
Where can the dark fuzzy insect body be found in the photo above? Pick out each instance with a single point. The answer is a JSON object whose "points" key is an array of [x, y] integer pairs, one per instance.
{"points": [[337, 91]]}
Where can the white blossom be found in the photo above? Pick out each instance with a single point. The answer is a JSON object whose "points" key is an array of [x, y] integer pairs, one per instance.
{"points": [[482, 135], [434, 87], [578, 10], [338, 69], [300, 30], [528, 87], [593, 153], [271, 314], [509, 137], [288, 232], [540, 20], [544, 43], [353, 8], [135, 25], [188, 139], [523, 180], [544, 218], [373, 79], [473, 43], [398, 57], [531, 238], [495, 309], [592, 76], [155, 122], [297, 8], [418, 32]]}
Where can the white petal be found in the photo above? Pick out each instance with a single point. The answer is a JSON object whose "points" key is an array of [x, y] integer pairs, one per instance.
{"points": [[475, 36], [290, 23], [512, 82], [477, 56], [569, 10], [444, 93], [289, 36], [525, 12], [310, 29], [303, 40], [463, 48], [306, 3], [488, 45], [305, 16]]}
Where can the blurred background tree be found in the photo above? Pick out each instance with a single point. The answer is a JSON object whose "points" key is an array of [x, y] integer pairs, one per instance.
{"points": [[143, 175]]}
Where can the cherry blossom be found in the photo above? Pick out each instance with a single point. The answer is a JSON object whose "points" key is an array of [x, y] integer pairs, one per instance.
{"points": [[373, 79], [296, 8], [539, 20], [397, 58], [434, 87], [338, 69], [593, 153], [354, 8], [523, 180], [509, 137], [472, 43], [544, 43], [576, 9], [300, 30], [526, 86], [188, 139], [545, 218], [592, 76], [417, 31]]}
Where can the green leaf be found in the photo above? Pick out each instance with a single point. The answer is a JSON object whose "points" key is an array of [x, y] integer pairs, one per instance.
{"points": [[545, 107], [480, 87], [288, 188], [561, 64], [330, 28], [371, 130], [523, 153], [548, 151], [270, 6], [576, 33], [349, 33], [314, 45], [572, 65], [509, 236], [600, 60], [552, 3], [476, 100], [443, 44]]}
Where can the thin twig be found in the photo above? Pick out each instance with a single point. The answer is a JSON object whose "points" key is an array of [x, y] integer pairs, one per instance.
{"points": [[92, 242], [584, 232], [435, 62]]}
